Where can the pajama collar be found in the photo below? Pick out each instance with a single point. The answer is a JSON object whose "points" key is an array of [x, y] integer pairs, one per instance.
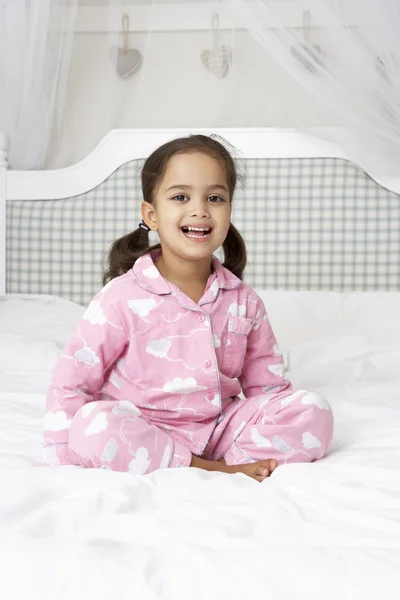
{"points": [[149, 277]]}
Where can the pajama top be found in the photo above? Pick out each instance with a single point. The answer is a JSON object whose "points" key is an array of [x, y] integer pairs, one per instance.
{"points": [[180, 362]]}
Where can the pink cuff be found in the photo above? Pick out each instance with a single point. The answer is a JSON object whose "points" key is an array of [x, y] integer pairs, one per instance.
{"points": [[181, 456], [55, 455]]}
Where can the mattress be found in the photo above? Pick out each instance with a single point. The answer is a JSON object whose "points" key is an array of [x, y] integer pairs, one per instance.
{"points": [[330, 529]]}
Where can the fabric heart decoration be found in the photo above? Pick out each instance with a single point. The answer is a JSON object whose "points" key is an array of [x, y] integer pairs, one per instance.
{"points": [[217, 61], [126, 62]]}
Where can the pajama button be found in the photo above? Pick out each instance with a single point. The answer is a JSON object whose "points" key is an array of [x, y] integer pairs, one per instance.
{"points": [[207, 363], [201, 318], [210, 396]]}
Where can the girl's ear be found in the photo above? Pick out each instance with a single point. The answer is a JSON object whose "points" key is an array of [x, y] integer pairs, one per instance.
{"points": [[149, 215]]}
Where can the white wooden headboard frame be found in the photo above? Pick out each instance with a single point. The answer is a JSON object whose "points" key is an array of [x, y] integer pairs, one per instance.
{"points": [[123, 145]]}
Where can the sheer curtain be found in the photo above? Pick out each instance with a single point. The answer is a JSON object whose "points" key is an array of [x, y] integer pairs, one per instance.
{"points": [[35, 51], [329, 65], [347, 54], [168, 86]]}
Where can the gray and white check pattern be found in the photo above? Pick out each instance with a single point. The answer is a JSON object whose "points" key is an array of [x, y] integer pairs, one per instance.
{"points": [[309, 224]]}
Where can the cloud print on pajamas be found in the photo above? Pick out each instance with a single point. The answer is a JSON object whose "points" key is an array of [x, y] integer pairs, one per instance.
{"points": [[281, 445], [142, 307], [87, 409], [126, 407], [166, 457], [109, 451], [237, 310], [139, 464], [183, 386], [214, 288], [215, 401], [258, 325], [99, 424], [151, 272], [277, 370], [159, 348], [217, 341], [116, 381], [289, 399], [276, 350], [87, 356], [143, 341], [259, 440], [56, 421], [120, 364], [94, 313], [310, 441], [316, 399]]}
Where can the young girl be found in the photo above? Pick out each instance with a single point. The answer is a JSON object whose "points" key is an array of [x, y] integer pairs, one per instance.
{"points": [[151, 376]]}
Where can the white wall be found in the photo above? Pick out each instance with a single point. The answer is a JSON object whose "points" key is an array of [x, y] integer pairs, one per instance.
{"points": [[173, 89]]}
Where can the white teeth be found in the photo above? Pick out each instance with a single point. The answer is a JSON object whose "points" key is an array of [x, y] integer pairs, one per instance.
{"points": [[197, 228]]}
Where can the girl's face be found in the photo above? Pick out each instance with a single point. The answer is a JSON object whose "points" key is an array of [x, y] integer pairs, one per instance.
{"points": [[192, 209]]}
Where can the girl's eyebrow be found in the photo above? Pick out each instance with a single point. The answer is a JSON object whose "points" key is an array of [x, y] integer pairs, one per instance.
{"points": [[189, 187]]}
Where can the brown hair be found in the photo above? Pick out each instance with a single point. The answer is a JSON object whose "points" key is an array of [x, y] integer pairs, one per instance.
{"points": [[125, 251]]}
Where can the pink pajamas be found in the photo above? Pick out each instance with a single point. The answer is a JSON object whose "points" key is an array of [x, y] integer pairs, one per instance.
{"points": [[150, 377]]}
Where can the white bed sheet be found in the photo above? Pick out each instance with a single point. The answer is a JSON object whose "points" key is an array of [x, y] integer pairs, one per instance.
{"points": [[327, 530]]}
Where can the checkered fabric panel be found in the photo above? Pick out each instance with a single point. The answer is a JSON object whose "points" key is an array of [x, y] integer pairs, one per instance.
{"points": [[309, 224], [58, 246], [318, 224]]}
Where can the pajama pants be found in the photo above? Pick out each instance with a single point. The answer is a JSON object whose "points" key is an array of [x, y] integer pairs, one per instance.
{"points": [[291, 427]]}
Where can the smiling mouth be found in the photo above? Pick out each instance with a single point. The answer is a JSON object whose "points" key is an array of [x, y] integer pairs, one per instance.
{"points": [[196, 232]]}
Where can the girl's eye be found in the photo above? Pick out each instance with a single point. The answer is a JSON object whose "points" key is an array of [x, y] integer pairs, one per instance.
{"points": [[215, 199], [180, 197]]}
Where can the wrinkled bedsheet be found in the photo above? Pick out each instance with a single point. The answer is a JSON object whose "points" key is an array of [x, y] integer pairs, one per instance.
{"points": [[327, 530]]}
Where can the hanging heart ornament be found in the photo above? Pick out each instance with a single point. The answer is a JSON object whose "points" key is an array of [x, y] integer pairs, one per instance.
{"points": [[217, 61], [125, 60]]}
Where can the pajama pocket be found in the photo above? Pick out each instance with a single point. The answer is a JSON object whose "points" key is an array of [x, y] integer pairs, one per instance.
{"points": [[238, 328]]}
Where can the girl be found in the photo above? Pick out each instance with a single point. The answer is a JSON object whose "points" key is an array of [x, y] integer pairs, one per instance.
{"points": [[151, 376]]}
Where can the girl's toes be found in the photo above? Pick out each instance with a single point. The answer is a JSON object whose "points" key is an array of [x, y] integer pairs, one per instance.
{"points": [[272, 464], [262, 471]]}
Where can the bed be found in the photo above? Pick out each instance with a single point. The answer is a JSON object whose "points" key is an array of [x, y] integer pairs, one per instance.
{"points": [[331, 285]]}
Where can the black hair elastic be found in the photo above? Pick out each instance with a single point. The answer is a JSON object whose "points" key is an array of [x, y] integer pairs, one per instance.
{"points": [[143, 225]]}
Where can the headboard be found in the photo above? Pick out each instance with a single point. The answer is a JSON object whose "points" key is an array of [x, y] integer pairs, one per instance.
{"points": [[311, 219]]}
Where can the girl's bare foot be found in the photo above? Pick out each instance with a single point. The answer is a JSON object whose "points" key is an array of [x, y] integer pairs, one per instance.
{"points": [[259, 470]]}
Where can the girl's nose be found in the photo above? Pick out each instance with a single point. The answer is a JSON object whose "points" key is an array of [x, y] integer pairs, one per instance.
{"points": [[199, 208]]}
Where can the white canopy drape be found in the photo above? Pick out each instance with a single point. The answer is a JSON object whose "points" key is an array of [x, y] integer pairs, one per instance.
{"points": [[296, 63], [347, 54], [34, 61]]}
